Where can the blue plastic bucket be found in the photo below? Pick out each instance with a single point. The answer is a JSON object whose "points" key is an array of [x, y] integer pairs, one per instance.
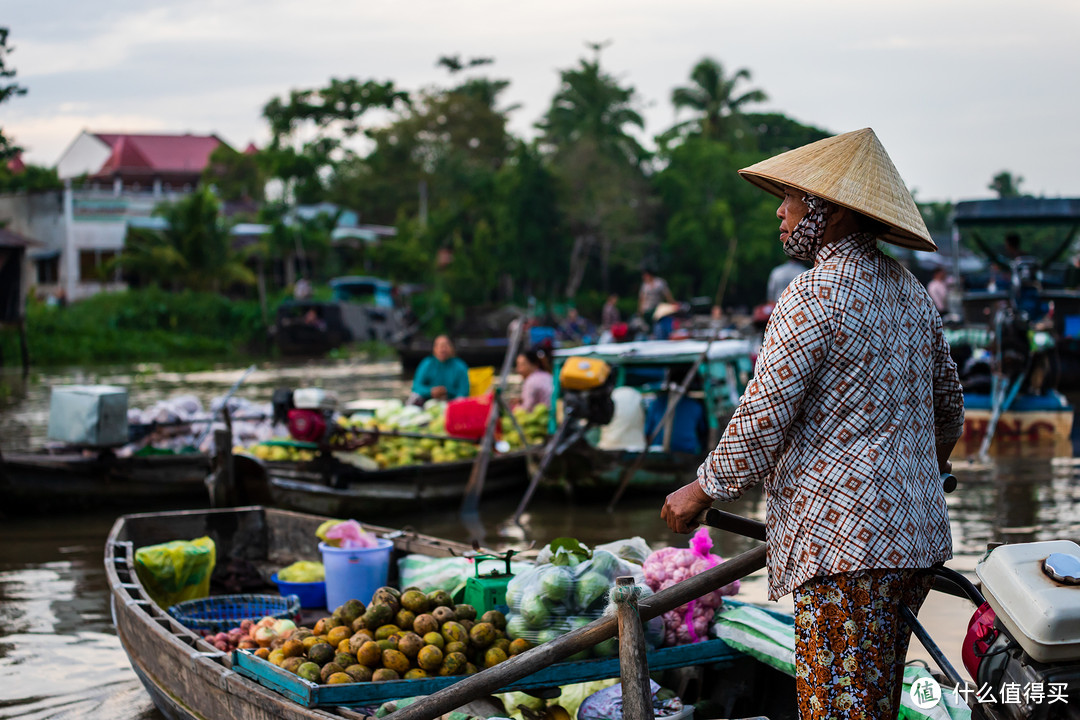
{"points": [[311, 594], [355, 573]]}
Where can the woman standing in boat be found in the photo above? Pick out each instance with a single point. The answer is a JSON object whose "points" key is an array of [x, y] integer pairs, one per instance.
{"points": [[851, 416]]}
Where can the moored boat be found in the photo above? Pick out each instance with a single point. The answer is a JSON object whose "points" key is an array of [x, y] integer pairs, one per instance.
{"points": [[35, 482], [1032, 424], [188, 678], [719, 371], [331, 486]]}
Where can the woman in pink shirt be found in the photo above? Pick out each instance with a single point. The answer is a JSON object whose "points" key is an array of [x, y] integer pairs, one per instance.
{"points": [[534, 366]]}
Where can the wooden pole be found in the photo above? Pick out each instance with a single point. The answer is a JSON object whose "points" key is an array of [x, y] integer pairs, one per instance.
{"points": [[552, 447], [633, 660], [673, 401], [530, 449], [470, 504], [521, 666], [223, 489]]}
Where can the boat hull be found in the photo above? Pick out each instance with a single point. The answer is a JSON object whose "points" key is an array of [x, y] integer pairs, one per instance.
{"points": [[1031, 425], [40, 482], [341, 490]]}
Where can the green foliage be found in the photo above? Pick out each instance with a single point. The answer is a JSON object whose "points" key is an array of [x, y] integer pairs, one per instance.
{"points": [[775, 133], [592, 108], [717, 107], [193, 252], [8, 89], [707, 205], [31, 179], [598, 163], [141, 326], [236, 175], [532, 240], [1006, 185]]}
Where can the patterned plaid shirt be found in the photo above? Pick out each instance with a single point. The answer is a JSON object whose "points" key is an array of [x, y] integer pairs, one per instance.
{"points": [[853, 387]]}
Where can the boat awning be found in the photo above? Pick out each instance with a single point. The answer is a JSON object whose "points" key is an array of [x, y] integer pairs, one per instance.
{"points": [[1019, 211], [659, 352]]}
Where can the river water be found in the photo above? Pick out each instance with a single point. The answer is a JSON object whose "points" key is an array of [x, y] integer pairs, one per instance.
{"points": [[59, 655]]}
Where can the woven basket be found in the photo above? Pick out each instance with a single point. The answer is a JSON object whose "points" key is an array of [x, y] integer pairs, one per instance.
{"points": [[224, 612]]}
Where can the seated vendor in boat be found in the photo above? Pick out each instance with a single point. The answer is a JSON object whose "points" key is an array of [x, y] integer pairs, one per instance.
{"points": [[534, 366], [441, 375]]}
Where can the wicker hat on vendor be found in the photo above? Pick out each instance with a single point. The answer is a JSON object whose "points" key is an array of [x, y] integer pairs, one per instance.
{"points": [[854, 171]]}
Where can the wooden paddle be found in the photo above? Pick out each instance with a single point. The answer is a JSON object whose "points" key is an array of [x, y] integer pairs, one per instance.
{"points": [[475, 488]]}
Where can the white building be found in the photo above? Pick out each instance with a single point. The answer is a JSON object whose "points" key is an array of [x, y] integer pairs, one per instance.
{"points": [[109, 179]]}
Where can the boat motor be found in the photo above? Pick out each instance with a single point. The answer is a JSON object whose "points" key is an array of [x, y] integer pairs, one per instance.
{"points": [[310, 417], [1023, 644]]}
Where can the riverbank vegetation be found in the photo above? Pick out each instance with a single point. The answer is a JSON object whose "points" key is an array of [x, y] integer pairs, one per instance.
{"points": [[146, 325]]}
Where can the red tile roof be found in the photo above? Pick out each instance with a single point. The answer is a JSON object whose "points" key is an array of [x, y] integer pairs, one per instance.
{"points": [[157, 153]]}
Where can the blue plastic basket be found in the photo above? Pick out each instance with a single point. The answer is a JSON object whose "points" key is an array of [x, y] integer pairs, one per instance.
{"points": [[224, 612]]}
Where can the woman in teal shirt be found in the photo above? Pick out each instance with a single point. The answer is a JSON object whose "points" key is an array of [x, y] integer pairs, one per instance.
{"points": [[441, 375]]}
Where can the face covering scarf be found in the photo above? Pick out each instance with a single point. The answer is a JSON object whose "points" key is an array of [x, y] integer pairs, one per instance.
{"points": [[804, 241]]}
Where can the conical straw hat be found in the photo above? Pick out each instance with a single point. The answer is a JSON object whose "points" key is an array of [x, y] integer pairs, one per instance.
{"points": [[852, 170]]}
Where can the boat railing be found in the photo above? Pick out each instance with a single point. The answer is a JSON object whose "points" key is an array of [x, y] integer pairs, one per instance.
{"points": [[120, 554]]}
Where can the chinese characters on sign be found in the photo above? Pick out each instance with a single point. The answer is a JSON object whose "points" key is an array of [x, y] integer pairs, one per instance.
{"points": [[1013, 693]]}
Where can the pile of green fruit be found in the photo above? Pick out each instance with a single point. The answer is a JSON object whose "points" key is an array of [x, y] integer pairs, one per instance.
{"points": [[399, 635], [534, 423]]}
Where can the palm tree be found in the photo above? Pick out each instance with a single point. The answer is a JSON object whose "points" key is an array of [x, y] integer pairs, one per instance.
{"points": [[192, 250], [591, 107], [712, 98]]}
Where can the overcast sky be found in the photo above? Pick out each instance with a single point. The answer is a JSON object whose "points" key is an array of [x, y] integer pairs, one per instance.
{"points": [[957, 90]]}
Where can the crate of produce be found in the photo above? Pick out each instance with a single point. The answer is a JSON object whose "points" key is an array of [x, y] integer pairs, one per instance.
{"points": [[222, 612]]}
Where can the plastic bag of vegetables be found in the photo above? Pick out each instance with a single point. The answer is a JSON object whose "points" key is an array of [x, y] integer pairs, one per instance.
{"points": [[688, 623], [568, 591]]}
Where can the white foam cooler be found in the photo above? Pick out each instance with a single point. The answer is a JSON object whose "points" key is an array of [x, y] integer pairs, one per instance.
{"points": [[1042, 614], [94, 415]]}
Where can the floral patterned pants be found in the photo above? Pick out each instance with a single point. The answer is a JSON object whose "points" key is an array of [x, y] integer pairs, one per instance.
{"points": [[851, 643]]}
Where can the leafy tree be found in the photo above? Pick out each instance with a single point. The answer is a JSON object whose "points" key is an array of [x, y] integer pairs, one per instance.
{"points": [[775, 133], [587, 132], [591, 107], [532, 240], [31, 178], [716, 103], [708, 206], [1006, 185], [8, 89], [237, 176], [192, 252], [937, 215], [310, 128]]}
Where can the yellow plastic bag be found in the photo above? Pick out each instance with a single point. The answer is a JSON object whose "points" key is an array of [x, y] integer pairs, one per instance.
{"points": [[176, 571]]}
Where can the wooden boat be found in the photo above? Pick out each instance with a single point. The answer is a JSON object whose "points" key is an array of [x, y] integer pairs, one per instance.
{"points": [[1033, 424], [189, 679], [654, 368], [331, 486], [73, 480]]}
